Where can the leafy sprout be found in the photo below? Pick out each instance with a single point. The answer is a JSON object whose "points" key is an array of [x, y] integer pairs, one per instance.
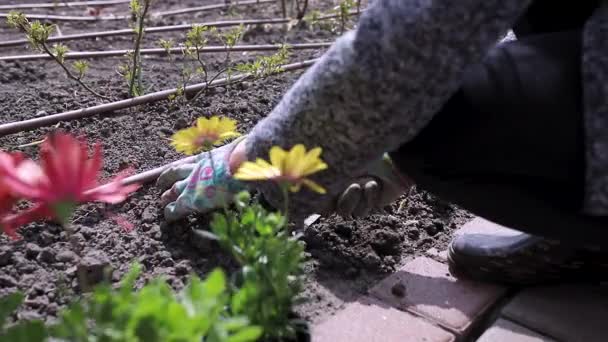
{"points": [[37, 34]]}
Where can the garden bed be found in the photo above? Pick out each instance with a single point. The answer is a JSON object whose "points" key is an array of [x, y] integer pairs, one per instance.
{"points": [[346, 255]]}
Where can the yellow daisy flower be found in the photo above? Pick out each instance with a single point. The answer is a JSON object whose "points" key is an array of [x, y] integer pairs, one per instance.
{"points": [[286, 167], [205, 135]]}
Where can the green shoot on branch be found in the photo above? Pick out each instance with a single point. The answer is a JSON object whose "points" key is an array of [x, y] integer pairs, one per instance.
{"points": [[343, 10], [38, 34], [139, 12], [265, 66]]}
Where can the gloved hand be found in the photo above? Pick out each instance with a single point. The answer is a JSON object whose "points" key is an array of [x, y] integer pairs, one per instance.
{"points": [[201, 185], [381, 185]]}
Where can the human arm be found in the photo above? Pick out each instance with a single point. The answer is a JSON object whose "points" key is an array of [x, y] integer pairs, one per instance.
{"points": [[378, 86]]}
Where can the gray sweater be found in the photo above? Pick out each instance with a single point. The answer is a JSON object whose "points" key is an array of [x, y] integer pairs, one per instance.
{"points": [[379, 85]]}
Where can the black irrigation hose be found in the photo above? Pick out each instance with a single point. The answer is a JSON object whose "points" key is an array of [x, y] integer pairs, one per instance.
{"points": [[162, 52], [127, 17], [148, 30], [65, 4], [31, 124]]}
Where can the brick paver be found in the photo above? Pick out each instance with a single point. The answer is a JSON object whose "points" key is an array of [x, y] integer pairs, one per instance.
{"points": [[506, 331], [567, 313], [369, 320], [425, 287], [482, 226]]}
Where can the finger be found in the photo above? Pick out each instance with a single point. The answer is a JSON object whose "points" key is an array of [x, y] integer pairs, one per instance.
{"points": [[184, 205], [173, 212], [349, 199], [371, 195], [172, 194], [371, 192], [367, 202], [174, 174]]}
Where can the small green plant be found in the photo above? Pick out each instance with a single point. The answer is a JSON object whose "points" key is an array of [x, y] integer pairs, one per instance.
{"points": [[195, 66], [271, 277], [132, 71], [25, 331], [38, 34], [156, 313], [343, 12], [265, 66]]}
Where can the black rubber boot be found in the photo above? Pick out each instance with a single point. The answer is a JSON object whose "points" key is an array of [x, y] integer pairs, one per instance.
{"points": [[524, 259]]}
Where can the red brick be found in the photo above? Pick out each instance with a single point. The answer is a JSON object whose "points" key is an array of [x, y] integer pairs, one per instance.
{"points": [[369, 320], [566, 313], [430, 291], [437, 255], [507, 331], [482, 226]]}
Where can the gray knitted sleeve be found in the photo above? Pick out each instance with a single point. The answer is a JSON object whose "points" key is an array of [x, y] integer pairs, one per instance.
{"points": [[378, 86]]}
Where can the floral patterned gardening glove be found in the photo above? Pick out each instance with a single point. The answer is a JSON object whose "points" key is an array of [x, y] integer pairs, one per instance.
{"points": [[201, 185]]}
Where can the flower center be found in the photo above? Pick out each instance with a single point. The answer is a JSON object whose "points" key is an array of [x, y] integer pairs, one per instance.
{"points": [[206, 140]]}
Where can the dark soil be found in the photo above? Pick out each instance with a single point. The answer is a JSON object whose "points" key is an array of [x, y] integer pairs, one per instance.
{"points": [[346, 255]]}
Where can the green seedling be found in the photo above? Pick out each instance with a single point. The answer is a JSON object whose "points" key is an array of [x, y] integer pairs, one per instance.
{"points": [[133, 70], [265, 66], [271, 278], [38, 34], [27, 331], [155, 313]]}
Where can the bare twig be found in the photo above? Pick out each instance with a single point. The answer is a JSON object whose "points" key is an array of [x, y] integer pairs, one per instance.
{"points": [[160, 29], [155, 15], [211, 7], [65, 4], [69, 74], [284, 8], [301, 11], [135, 75], [37, 35], [30, 124]]}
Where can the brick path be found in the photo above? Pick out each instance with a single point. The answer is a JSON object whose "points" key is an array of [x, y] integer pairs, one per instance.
{"points": [[423, 302]]}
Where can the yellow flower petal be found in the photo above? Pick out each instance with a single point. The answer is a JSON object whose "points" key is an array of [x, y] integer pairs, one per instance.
{"points": [[260, 170], [314, 186], [206, 133], [277, 157], [313, 163], [293, 161]]}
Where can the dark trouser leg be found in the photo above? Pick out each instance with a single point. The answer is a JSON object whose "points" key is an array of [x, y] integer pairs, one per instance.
{"points": [[509, 145]]}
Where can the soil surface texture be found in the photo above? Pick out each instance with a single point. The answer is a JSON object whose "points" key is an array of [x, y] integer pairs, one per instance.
{"points": [[346, 256]]}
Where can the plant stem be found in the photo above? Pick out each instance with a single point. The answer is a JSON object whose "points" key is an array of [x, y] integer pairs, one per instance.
{"points": [[301, 11], [69, 74], [136, 66], [202, 64], [284, 8], [209, 84], [285, 190]]}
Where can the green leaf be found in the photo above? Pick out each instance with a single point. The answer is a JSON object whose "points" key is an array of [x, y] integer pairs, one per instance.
{"points": [[32, 331], [219, 224], [9, 304], [252, 333], [215, 284]]}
